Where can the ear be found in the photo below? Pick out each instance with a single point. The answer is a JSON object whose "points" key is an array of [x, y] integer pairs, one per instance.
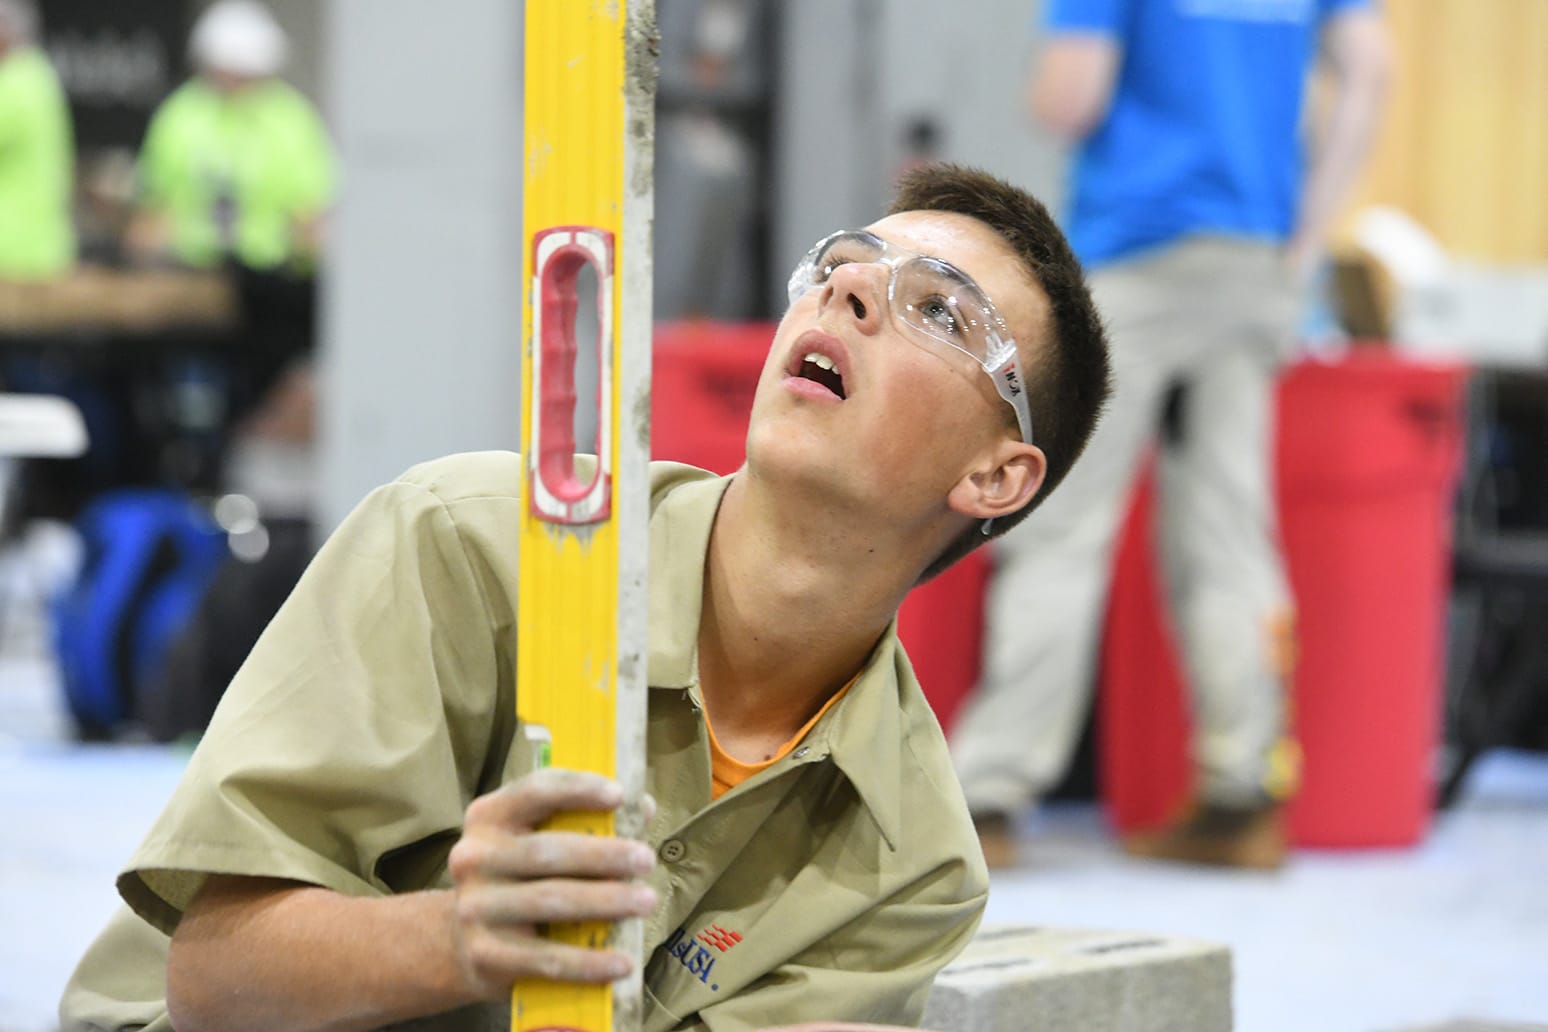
{"points": [[1005, 483]]}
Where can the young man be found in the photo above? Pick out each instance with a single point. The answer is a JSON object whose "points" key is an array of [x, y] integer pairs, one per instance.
{"points": [[346, 851]]}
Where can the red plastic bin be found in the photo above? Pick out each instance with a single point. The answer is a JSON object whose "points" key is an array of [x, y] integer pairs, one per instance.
{"points": [[1369, 449], [941, 625], [703, 377]]}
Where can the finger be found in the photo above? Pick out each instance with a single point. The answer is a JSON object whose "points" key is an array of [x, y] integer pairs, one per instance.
{"points": [[529, 801], [544, 854], [504, 959], [553, 901]]}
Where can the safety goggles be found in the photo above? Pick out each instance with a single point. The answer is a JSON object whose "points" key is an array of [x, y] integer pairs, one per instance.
{"points": [[932, 299]]}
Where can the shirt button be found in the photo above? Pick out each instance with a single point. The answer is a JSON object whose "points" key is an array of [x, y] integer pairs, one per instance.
{"points": [[802, 751], [673, 850]]}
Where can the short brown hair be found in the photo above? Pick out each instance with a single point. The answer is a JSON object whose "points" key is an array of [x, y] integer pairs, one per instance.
{"points": [[1068, 380]]}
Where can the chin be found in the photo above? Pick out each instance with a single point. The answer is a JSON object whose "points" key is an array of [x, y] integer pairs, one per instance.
{"points": [[786, 451], [767, 446]]}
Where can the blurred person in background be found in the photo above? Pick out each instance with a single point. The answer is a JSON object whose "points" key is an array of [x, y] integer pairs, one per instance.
{"points": [[1192, 210], [37, 237], [237, 170], [37, 231], [236, 162]]}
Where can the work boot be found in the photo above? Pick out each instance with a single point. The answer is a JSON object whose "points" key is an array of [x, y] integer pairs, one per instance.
{"points": [[1209, 833], [997, 838]]}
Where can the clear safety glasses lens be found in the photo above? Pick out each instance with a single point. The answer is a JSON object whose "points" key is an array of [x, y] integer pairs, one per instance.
{"points": [[933, 298]]}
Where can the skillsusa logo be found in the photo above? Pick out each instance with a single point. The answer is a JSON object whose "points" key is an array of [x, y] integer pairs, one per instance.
{"points": [[719, 938], [695, 959]]}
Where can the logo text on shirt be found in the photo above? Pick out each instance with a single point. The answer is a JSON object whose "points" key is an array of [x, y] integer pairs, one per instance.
{"points": [[698, 961]]}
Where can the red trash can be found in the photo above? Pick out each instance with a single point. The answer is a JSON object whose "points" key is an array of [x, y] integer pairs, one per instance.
{"points": [[941, 626], [1369, 450], [1369, 455], [703, 377]]}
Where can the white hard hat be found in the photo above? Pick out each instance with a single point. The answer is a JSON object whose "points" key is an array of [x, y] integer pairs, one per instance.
{"points": [[240, 37]]}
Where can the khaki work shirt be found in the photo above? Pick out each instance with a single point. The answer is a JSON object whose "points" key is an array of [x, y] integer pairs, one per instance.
{"points": [[381, 701]]}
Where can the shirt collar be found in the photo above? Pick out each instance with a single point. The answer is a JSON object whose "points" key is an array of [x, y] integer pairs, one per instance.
{"points": [[864, 733], [686, 500]]}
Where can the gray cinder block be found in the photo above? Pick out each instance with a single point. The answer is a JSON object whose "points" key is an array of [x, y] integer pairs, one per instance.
{"points": [[1021, 979]]}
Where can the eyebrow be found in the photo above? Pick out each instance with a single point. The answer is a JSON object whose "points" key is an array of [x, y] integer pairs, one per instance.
{"points": [[905, 247], [925, 254]]}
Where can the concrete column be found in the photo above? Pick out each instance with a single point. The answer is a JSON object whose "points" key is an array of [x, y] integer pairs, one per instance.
{"points": [[421, 299]]}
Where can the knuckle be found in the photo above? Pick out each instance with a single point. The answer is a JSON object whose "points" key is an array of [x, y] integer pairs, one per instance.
{"points": [[480, 810], [625, 900], [467, 858], [546, 854], [524, 958], [469, 911], [569, 783], [550, 964], [484, 955], [549, 902], [582, 783], [623, 857], [549, 779]]}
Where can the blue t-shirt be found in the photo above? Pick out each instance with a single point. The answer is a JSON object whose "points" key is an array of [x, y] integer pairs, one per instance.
{"points": [[1202, 134]]}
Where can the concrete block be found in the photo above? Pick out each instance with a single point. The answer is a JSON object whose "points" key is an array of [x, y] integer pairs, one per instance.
{"points": [[1016, 979]]}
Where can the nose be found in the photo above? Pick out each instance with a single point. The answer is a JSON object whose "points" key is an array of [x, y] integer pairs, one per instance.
{"points": [[862, 288]]}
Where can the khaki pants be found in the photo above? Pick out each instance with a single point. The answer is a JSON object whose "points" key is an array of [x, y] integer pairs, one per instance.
{"points": [[1216, 315]]}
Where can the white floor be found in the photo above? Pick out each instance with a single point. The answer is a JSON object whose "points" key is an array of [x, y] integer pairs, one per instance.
{"points": [[1352, 941], [1337, 942]]}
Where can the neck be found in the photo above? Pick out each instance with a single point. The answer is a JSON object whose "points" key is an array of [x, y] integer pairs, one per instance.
{"points": [[795, 599]]}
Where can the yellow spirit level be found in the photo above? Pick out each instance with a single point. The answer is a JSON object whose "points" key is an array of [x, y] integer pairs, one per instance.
{"points": [[581, 655]]}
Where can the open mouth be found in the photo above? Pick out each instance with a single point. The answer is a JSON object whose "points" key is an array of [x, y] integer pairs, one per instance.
{"points": [[819, 368]]}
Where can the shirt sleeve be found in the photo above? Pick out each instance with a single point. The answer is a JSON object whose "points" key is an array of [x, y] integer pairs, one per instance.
{"points": [[24, 98], [13, 113], [872, 970], [346, 749], [1102, 17], [154, 165], [312, 170]]}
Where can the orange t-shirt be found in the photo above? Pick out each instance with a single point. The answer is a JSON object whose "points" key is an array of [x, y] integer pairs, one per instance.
{"points": [[726, 773]]}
